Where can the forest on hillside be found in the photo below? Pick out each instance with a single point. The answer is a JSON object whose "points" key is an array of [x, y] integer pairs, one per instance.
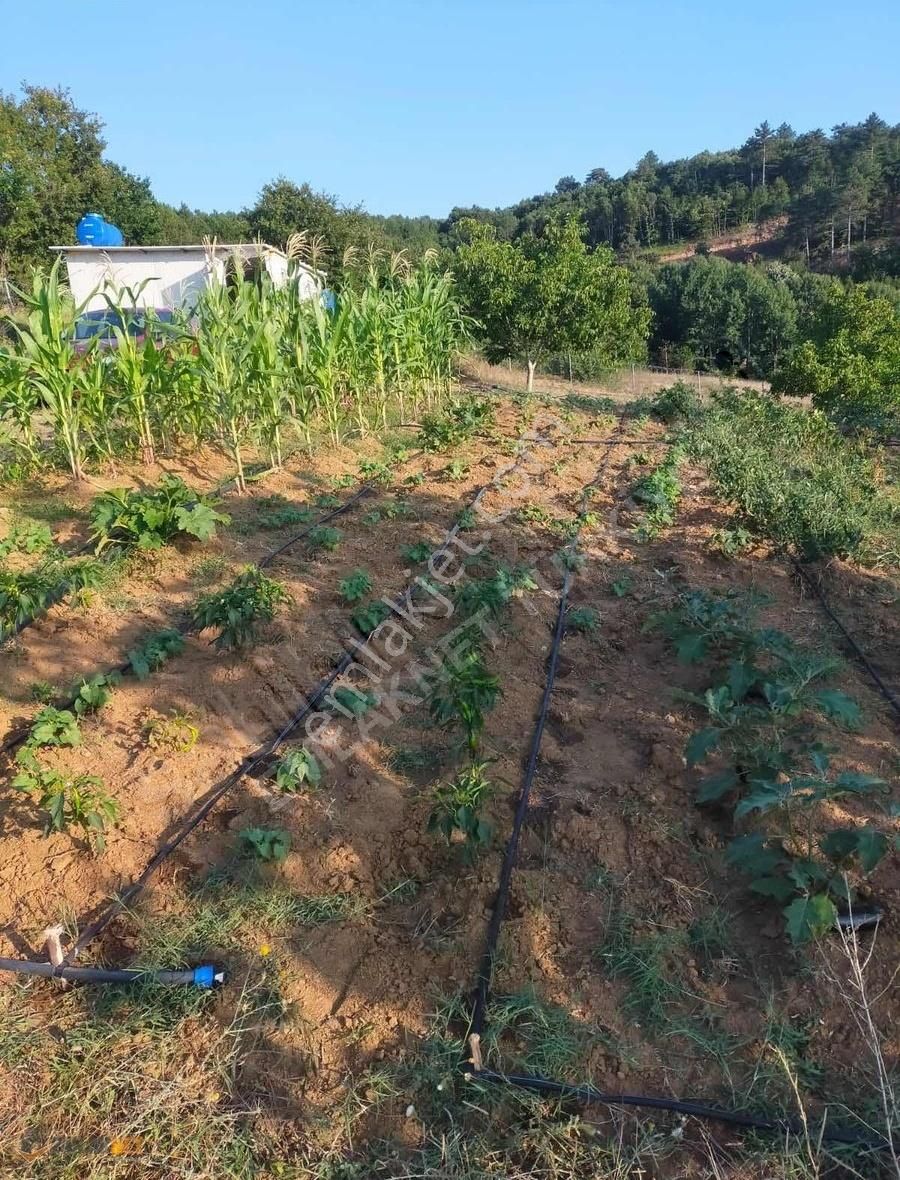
{"points": [[834, 197], [838, 194]]}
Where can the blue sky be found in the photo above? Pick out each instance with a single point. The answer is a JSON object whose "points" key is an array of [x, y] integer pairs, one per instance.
{"points": [[414, 107]]}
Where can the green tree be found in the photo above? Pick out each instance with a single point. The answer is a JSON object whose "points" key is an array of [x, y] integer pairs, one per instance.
{"points": [[285, 208], [850, 362], [547, 294], [50, 168]]}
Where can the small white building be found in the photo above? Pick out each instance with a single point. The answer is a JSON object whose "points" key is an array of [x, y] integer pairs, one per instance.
{"points": [[172, 276]]}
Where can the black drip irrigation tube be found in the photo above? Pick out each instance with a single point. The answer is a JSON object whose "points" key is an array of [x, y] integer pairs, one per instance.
{"points": [[251, 763], [698, 1110], [808, 580], [486, 966], [15, 739], [474, 1070]]}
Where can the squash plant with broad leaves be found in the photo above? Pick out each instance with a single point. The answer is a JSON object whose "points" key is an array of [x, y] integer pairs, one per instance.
{"points": [[149, 519]]}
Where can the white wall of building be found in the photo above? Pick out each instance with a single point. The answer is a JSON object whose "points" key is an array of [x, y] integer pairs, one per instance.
{"points": [[170, 278]]}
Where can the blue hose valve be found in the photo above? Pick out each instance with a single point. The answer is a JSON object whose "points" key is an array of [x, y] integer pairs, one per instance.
{"points": [[207, 976]]}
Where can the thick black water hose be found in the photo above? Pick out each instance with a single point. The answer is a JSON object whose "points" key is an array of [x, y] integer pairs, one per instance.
{"points": [[206, 976], [699, 1110]]}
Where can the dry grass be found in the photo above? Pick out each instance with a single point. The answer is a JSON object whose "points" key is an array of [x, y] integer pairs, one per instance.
{"points": [[622, 385]]}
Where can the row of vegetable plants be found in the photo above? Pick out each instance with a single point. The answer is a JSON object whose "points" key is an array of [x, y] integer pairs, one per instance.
{"points": [[248, 362], [293, 768], [234, 615], [768, 707]]}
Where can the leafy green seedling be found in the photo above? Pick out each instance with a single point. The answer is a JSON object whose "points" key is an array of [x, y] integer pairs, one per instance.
{"points": [[731, 542], [27, 538], [284, 517], [265, 843], [355, 586], [325, 537], [154, 651], [298, 768], [458, 808], [376, 471], [78, 802], [237, 612], [176, 733], [582, 618], [94, 693], [416, 553], [368, 617], [620, 587], [461, 693], [354, 700], [54, 727]]}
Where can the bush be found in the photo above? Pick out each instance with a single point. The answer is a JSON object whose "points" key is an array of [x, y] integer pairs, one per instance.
{"points": [[237, 611], [795, 478], [678, 402]]}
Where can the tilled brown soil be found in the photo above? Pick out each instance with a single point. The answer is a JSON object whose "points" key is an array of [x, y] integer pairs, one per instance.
{"points": [[612, 828]]}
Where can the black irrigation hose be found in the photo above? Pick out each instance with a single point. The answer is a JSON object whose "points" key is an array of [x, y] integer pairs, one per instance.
{"points": [[247, 766], [858, 652], [699, 1110], [486, 967], [15, 739]]}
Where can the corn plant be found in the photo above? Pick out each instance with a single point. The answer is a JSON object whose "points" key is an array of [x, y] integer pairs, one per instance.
{"points": [[131, 372], [46, 340], [237, 612]]}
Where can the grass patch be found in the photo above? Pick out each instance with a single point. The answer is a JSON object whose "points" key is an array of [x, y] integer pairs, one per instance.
{"points": [[797, 480]]}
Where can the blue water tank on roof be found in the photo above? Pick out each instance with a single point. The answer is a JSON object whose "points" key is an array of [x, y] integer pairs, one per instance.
{"points": [[94, 230]]}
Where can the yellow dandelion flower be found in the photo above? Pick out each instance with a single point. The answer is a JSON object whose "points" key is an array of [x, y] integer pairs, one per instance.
{"points": [[265, 950], [125, 1147]]}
